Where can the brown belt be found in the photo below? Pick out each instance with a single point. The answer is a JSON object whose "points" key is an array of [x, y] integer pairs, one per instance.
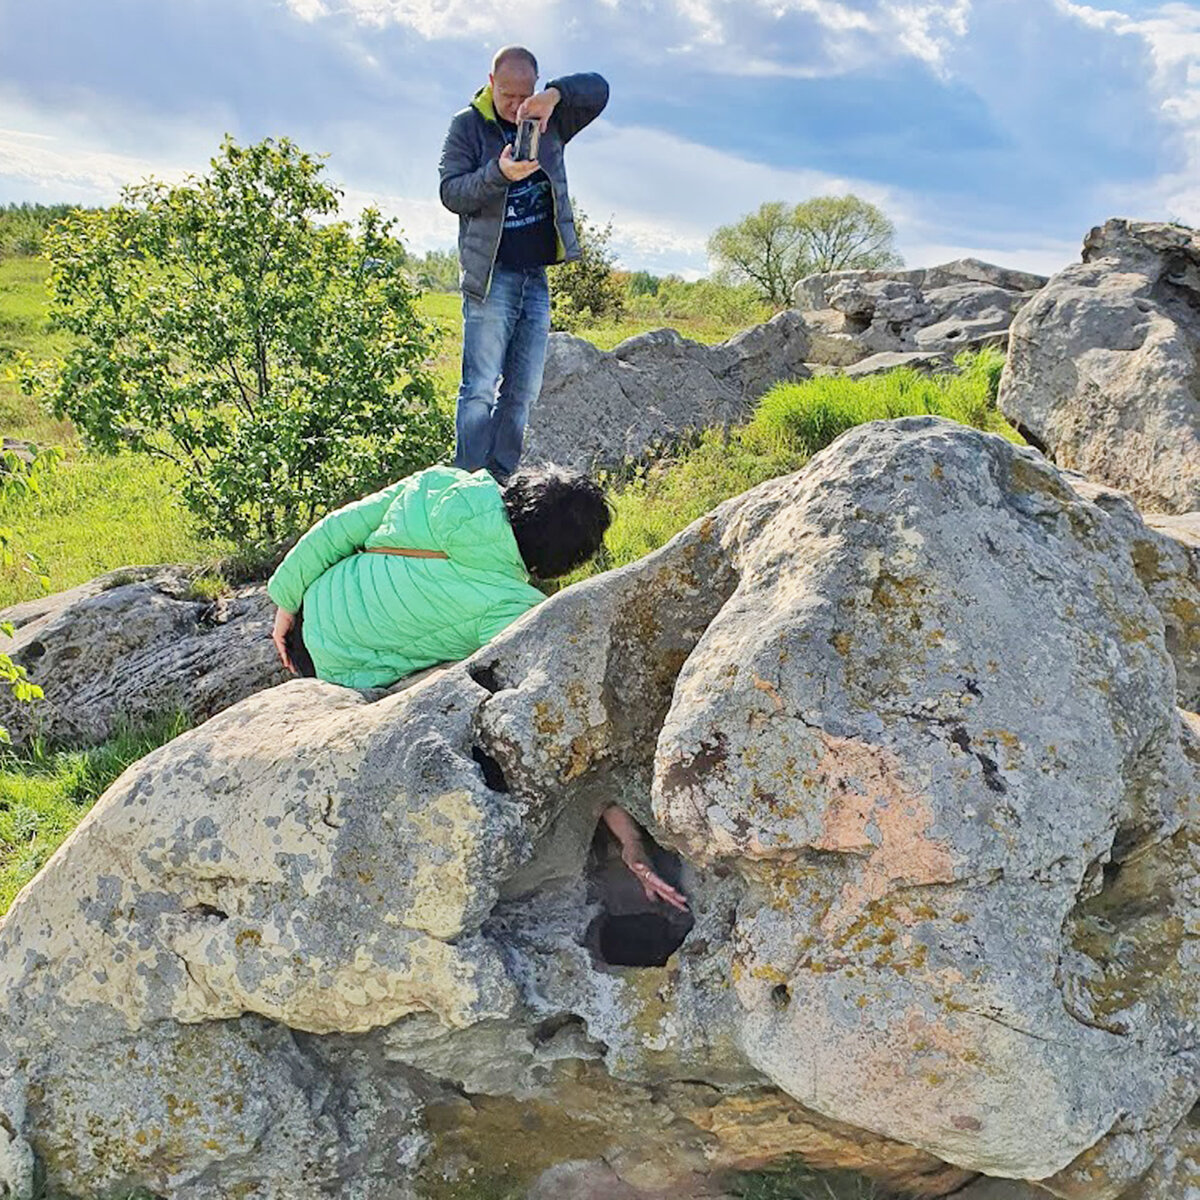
{"points": [[406, 551]]}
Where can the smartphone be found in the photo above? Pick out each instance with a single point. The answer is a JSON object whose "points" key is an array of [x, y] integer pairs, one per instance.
{"points": [[525, 147]]}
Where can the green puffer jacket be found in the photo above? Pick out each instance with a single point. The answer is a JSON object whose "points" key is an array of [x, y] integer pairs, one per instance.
{"points": [[370, 619]]}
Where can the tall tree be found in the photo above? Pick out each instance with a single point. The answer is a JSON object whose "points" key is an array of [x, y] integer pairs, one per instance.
{"points": [[844, 233], [763, 248], [778, 244]]}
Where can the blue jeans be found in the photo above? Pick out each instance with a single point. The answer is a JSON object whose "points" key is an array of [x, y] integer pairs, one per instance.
{"points": [[504, 351]]}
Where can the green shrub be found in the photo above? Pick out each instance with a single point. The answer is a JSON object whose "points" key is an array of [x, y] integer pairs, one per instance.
{"points": [[585, 291], [208, 586], [275, 360], [45, 792], [803, 418]]}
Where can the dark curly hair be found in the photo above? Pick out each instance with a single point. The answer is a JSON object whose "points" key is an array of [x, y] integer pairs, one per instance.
{"points": [[559, 518]]}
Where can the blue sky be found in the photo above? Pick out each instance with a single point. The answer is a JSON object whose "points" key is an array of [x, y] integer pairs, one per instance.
{"points": [[1000, 128]]}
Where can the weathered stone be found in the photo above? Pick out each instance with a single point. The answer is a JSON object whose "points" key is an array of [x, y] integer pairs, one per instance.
{"points": [[1176, 1174], [903, 728], [919, 360], [1104, 364], [131, 646], [600, 408], [1165, 552], [814, 290]]}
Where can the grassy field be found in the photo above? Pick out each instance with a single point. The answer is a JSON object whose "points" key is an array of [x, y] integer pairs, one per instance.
{"points": [[45, 794], [98, 513]]}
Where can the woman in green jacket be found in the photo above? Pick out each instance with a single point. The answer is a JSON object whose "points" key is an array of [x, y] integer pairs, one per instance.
{"points": [[431, 569]]}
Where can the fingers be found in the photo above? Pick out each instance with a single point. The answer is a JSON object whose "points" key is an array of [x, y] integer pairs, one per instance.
{"points": [[657, 888], [281, 650]]}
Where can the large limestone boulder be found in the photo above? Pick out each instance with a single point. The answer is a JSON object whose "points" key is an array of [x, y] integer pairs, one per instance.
{"points": [[1104, 365], [902, 726], [814, 291], [602, 408], [132, 645]]}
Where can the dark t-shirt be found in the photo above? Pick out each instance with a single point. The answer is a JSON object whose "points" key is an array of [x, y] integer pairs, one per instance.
{"points": [[528, 239]]}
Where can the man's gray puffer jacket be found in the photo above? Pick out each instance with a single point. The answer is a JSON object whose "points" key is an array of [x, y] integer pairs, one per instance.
{"points": [[474, 186]]}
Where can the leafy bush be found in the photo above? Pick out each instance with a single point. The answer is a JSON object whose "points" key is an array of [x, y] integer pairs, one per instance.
{"points": [[586, 291], [276, 361]]}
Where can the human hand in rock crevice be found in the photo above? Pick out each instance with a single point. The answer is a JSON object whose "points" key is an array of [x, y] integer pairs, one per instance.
{"points": [[635, 857]]}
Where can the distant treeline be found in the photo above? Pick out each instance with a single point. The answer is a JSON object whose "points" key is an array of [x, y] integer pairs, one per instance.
{"points": [[22, 225]]}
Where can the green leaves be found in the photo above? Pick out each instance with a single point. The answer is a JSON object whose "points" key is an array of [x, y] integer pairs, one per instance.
{"points": [[229, 325], [778, 245], [585, 290]]}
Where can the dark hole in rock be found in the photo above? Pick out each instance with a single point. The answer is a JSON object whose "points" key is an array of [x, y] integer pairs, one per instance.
{"points": [[1033, 439], [632, 931], [552, 1026], [485, 676], [781, 997], [493, 776], [33, 652], [209, 910]]}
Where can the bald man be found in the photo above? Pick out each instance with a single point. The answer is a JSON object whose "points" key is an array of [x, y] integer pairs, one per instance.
{"points": [[514, 220]]}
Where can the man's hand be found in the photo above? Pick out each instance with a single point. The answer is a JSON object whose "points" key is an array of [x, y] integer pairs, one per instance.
{"points": [[540, 105], [515, 171], [284, 621]]}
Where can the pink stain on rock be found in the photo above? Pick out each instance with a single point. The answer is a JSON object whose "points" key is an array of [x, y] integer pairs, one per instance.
{"points": [[871, 812]]}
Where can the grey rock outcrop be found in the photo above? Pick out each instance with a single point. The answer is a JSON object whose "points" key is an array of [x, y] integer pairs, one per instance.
{"points": [[605, 408], [1104, 366], [813, 292], [601, 408], [132, 645], [904, 726]]}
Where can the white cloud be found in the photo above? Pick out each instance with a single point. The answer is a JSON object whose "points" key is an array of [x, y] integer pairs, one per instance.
{"points": [[431, 18], [801, 38], [1171, 35]]}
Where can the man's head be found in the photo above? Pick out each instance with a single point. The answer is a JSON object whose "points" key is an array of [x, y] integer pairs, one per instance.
{"points": [[558, 518], [513, 78]]}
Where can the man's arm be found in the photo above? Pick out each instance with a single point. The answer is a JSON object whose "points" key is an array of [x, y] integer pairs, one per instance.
{"points": [[582, 100], [467, 185]]}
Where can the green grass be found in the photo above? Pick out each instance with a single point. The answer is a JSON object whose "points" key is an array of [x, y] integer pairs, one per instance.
{"points": [[45, 793], [799, 1182], [790, 424]]}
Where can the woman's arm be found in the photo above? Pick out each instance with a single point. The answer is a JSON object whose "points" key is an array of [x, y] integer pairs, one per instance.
{"points": [[633, 853], [331, 539]]}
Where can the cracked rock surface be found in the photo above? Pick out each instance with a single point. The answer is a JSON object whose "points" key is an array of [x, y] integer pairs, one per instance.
{"points": [[132, 645], [1104, 365], [904, 727]]}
